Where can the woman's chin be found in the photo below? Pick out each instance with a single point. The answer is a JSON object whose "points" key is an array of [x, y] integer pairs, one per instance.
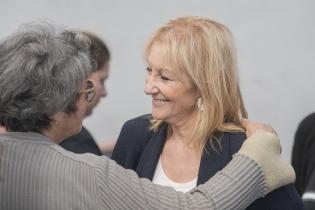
{"points": [[158, 116]]}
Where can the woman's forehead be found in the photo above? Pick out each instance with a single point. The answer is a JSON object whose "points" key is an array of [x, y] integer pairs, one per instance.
{"points": [[158, 57]]}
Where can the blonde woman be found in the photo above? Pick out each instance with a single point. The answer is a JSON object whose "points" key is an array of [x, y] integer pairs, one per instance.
{"points": [[197, 108]]}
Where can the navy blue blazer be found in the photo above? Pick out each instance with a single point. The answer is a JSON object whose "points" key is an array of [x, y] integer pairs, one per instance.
{"points": [[139, 148]]}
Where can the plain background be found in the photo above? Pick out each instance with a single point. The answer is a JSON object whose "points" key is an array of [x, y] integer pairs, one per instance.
{"points": [[274, 40]]}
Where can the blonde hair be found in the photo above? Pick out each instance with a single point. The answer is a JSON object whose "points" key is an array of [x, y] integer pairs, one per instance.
{"points": [[204, 50]]}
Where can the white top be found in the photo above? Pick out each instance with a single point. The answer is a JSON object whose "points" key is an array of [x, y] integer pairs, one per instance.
{"points": [[161, 178]]}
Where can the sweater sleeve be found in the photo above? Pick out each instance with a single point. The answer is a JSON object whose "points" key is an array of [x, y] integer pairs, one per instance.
{"points": [[235, 187]]}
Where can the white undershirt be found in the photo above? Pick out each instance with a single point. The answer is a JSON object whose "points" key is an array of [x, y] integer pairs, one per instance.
{"points": [[161, 179]]}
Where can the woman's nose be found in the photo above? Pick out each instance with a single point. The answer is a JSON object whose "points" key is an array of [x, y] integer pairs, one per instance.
{"points": [[103, 91], [150, 87]]}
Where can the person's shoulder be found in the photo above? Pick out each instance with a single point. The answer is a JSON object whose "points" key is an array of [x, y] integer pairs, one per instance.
{"points": [[308, 121], [86, 159], [136, 129], [232, 140], [310, 117], [234, 136], [133, 138], [305, 129], [140, 121]]}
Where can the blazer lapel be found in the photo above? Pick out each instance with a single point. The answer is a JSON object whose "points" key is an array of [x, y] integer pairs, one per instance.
{"points": [[213, 161], [151, 154]]}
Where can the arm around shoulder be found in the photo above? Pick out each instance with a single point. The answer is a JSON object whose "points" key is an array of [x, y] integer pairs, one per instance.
{"points": [[122, 189], [264, 148]]}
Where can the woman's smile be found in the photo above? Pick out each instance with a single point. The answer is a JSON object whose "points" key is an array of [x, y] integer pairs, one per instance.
{"points": [[159, 101]]}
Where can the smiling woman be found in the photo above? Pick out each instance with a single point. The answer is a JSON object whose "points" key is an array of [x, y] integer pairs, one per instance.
{"points": [[173, 94], [44, 95], [197, 108]]}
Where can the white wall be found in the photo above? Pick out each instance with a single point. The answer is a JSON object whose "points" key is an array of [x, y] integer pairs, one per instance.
{"points": [[274, 38]]}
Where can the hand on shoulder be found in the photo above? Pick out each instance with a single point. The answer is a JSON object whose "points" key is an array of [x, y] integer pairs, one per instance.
{"points": [[251, 127], [263, 146]]}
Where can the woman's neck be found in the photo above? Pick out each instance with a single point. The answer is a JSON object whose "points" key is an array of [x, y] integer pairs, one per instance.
{"points": [[182, 130], [53, 134]]}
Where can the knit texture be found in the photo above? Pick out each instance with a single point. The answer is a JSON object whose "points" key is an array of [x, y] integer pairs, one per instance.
{"points": [[264, 148], [37, 174]]}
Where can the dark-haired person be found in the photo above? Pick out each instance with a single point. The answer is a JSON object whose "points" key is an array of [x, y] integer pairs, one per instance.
{"points": [[45, 92], [84, 142], [303, 160]]}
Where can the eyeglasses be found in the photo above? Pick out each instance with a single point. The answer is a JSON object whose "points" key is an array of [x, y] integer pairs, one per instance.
{"points": [[89, 90]]}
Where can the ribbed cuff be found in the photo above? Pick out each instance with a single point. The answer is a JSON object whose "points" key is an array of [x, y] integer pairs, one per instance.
{"points": [[264, 148], [242, 178]]}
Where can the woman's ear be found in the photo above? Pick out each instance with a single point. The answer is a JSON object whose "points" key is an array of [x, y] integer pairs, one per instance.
{"points": [[57, 118]]}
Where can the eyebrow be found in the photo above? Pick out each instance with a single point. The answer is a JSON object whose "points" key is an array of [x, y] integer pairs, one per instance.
{"points": [[161, 69], [166, 71]]}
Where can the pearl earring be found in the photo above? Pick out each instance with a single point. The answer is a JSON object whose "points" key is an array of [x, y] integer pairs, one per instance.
{"points": [[200, 104]]}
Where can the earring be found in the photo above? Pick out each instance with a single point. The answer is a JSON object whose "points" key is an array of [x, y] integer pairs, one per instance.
{"points": [[56, 122], [200, 104]]}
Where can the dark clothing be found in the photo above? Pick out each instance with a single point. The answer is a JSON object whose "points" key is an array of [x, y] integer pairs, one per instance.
{"points": [[139, 148], [309, 194], [83, 142], [303, 157], [303, 160]]}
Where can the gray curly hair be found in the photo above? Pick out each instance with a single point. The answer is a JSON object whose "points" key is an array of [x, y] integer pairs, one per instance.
{"points": [[41, 73]]}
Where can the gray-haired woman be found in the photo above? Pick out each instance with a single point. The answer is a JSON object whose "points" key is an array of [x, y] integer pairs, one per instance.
{"points": [[44, 93]]}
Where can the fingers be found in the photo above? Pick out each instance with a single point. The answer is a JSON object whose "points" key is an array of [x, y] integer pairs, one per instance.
{"points": [[251, 127], [245, 122]]}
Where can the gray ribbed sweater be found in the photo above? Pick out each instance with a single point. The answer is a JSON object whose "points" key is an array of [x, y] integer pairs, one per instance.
{"points": [[37, 174]]}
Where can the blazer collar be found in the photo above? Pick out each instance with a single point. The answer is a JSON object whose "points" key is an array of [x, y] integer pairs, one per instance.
{"points": [[211, 161], [214, 160], [151, 153]]}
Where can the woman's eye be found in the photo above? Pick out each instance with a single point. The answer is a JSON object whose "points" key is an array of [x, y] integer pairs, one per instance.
{"points": [[148, 69], [164, 78]]}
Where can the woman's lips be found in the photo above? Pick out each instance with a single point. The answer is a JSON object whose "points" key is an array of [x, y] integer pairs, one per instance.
{"points": [[157, 101]]}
